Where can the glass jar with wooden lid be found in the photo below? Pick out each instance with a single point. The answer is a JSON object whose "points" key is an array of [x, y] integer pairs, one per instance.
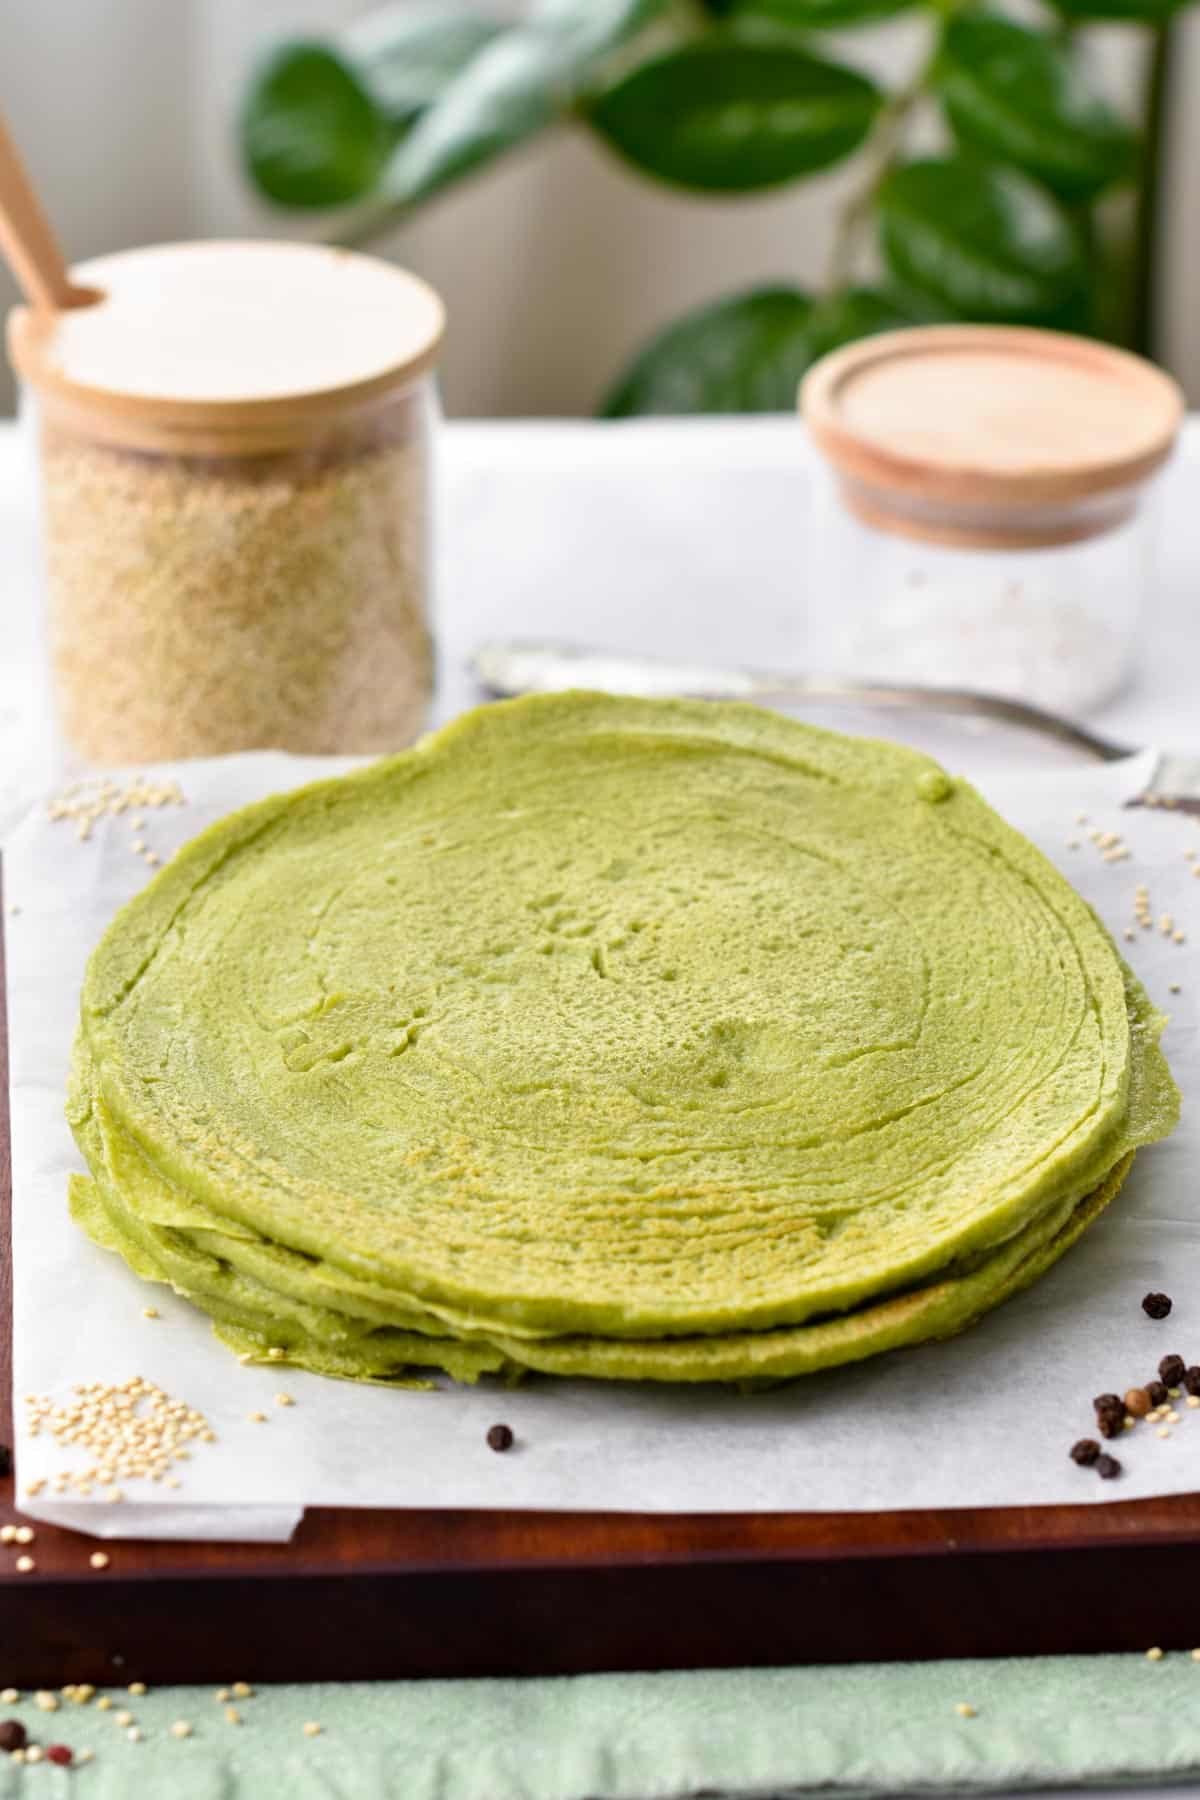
{"points": [[233, 443], [990, 524]]}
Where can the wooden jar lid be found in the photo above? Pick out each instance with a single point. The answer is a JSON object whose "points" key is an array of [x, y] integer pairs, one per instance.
{"points": [[227, 347], [988, 435]]}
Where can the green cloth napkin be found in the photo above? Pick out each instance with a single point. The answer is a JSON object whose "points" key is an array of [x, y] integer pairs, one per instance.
{"points": [[874, 1729]]}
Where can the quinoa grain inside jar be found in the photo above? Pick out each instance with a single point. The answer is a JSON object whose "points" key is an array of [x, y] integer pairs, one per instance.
{"points": [[234, 453], [987, 522]]}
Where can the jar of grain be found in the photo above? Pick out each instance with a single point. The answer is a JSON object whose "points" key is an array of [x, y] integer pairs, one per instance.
{"points": [[987, 519], [234, 452]]}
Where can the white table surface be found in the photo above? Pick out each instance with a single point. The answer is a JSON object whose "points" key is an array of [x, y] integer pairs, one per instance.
{"points": [[681, 537], [672, 537]]}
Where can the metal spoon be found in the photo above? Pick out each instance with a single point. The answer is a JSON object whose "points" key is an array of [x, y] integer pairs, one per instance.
{"points": [[510, 669]]}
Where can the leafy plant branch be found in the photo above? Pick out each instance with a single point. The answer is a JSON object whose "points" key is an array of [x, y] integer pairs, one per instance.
{"points": [[734, 97], [882, 149]]}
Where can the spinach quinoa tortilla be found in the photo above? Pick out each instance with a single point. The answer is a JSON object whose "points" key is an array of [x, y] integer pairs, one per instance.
{"points": [[615, 1038]]}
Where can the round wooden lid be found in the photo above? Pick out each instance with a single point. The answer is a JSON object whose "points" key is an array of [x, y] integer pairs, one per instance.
{"points": [[243, 341], [990, 433]]}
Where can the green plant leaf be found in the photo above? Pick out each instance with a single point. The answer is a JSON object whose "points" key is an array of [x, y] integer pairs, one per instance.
{"points": [[1019, 96], [590, 28], [862, 312], [513, 89], [744, 354], [406, 57], [1141, 12], [728, 116], [310, 133], [982, 238], [815, 15], [508, 93]]}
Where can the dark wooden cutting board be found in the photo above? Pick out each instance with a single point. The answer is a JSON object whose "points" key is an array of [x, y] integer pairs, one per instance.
{"points": [[404, 1593]]}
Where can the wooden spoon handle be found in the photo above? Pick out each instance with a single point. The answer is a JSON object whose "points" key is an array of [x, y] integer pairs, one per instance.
{"points": [[27, 241]]}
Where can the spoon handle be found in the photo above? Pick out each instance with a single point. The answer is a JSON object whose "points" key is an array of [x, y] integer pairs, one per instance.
{"points": [[27, 240]]}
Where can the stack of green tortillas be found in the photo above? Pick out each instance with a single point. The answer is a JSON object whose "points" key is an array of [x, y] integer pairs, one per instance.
{"points": [[610, 1038]]}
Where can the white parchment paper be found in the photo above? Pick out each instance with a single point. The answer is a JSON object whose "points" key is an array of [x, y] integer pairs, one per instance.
{"points": [[983, 1420]]}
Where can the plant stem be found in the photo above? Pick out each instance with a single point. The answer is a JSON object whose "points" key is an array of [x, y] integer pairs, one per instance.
{"points": [[1148, 217], [881, 150]]}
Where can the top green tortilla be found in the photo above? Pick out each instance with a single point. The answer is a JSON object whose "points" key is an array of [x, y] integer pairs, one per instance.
{"points": [[624, 1018]]}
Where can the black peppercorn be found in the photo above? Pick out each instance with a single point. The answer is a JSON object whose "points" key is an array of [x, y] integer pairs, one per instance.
{"points": [[12, 1735], [1158, 1393], [5, 1462], [500, 1437], [1191, 1379], [1110, 1424], [1172, 1369], [1109, 1403], [1085, 1452], [1107, 1467], [1157, 1305]]}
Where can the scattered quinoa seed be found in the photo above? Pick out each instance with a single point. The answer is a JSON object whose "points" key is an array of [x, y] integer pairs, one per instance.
{"points": [[1154, 1654], [8, 1534], [34, 1753], [25, 1565], [134, 1734], [222, 1695], [9, 1696], [45, 1701], [123, 1718], [284, 1400], [150, 1312], [232, 1716], [25, 1534], [181, 1729], [98, 1559], [242, 1690], [311, 1728], [137, 1688], [965, 1710], [257, 1418], [131, 1429]]}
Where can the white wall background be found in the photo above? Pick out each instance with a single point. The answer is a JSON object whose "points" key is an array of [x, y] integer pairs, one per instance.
{"points": [[556, 263]]}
